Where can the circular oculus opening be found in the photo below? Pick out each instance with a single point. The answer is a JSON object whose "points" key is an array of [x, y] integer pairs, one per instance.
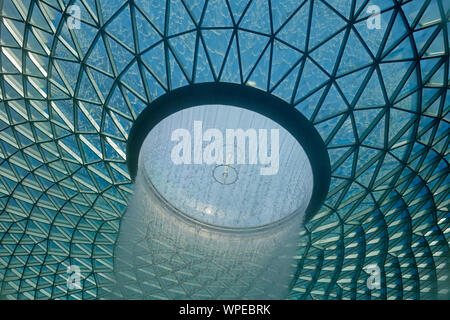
{"points": [[230, 157], [227, 166]]}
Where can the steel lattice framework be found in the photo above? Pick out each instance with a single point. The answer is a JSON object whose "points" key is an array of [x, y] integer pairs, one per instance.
{"points": [[378, 97]]}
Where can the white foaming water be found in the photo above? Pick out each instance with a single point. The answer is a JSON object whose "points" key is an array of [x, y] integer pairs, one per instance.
{"points": [[160, 255], [246, 198], [209, 231]]}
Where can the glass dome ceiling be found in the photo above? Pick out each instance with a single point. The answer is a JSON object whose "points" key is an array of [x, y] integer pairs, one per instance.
{"points": [[378, 97]]}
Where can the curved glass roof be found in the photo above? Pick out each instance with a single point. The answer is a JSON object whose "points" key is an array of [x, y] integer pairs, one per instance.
{"points": [[378, 97]]}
